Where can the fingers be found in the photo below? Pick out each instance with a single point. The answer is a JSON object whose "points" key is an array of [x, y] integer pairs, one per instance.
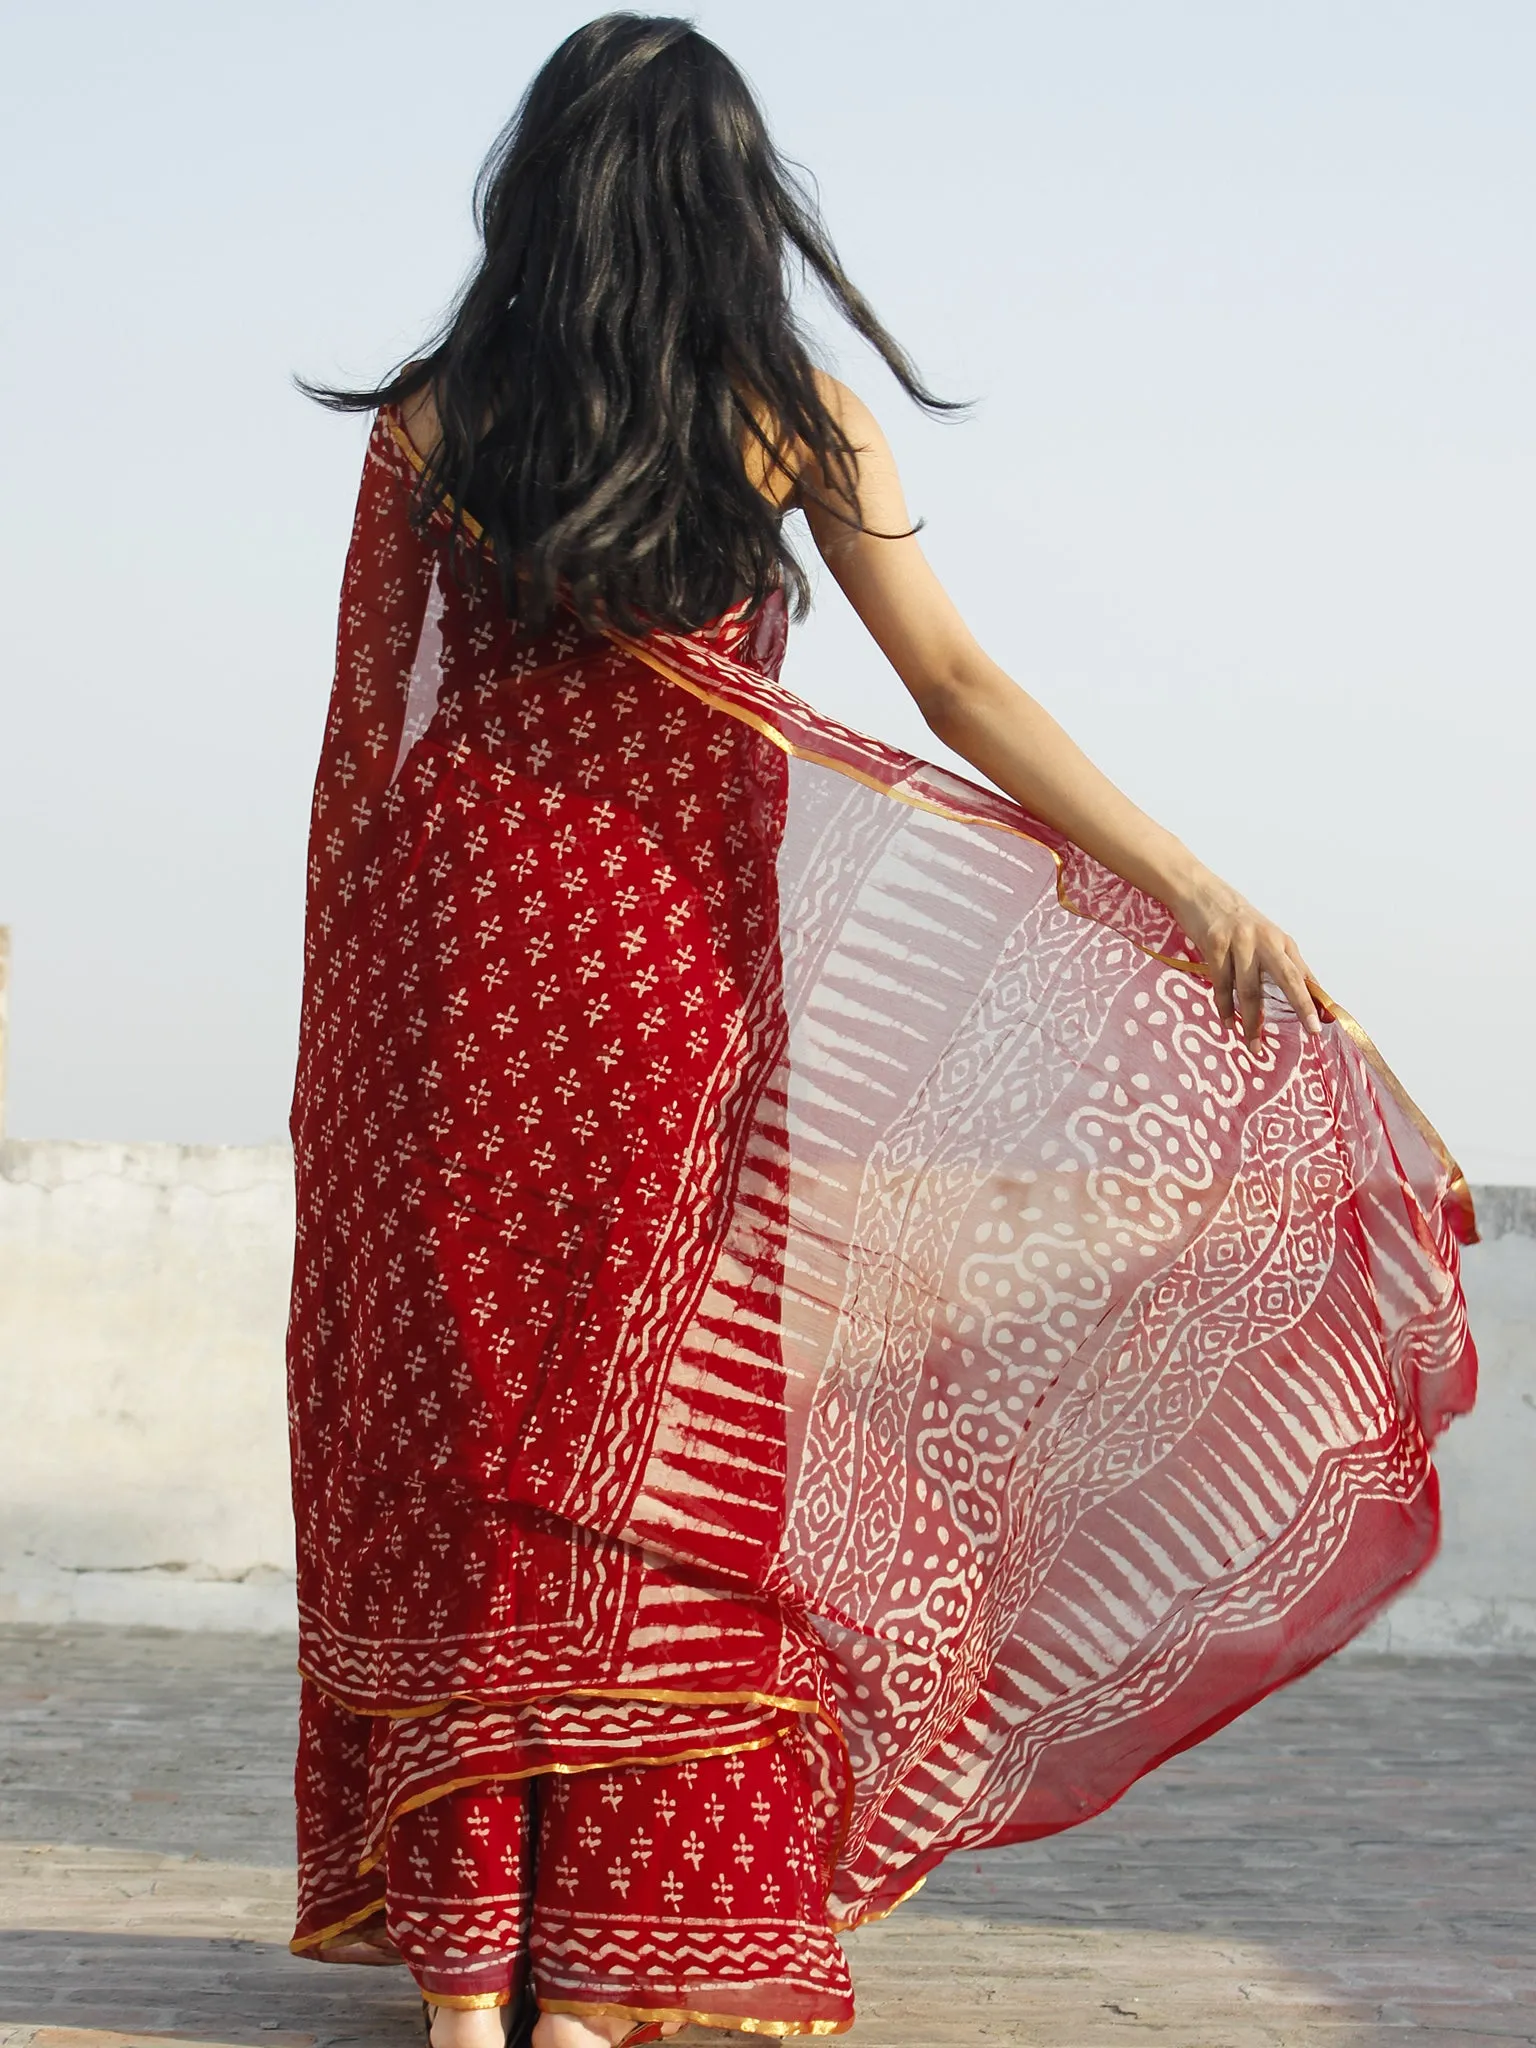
{"points": [[1290, 970], [1221, 984], [1239, 950], [1248, 980], [1238, 981]]}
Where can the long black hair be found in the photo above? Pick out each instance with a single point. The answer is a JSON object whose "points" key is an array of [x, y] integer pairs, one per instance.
{"points": [[626, 336]]}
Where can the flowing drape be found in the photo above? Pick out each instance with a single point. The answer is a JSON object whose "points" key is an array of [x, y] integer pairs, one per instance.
{"points": [[778, 1225]]}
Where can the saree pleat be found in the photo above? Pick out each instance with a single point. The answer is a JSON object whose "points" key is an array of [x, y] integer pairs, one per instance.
{"points": [[782, 1232]]}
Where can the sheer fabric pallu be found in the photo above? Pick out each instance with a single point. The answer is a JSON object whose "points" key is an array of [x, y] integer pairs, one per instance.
{"points": [[780, 1230]]}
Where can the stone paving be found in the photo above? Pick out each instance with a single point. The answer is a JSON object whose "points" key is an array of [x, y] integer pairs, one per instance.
{"points": [[1348, 1865]]}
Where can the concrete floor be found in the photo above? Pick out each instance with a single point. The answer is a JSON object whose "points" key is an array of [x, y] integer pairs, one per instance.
{"points": [[1349, 1865]]}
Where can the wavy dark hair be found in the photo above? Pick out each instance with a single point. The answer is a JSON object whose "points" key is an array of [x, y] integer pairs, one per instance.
{"points": [[626, 336]]}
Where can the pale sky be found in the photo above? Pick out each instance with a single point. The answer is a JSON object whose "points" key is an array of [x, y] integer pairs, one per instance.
{"points": [[1244, 294]]}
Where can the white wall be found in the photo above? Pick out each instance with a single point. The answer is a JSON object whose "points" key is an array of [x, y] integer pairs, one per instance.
{"points": [[1480, 1593], [143, 1290], [143, 1293]]}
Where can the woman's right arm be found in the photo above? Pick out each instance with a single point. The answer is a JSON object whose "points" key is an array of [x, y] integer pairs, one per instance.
{"points": [[974, 707]]}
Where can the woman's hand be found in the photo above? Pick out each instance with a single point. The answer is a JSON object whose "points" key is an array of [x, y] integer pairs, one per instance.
{"points": [[1239, 948]]}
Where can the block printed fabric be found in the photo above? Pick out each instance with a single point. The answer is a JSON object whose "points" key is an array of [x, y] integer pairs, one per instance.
{"points": [[781, 1232], [686, 1890]]}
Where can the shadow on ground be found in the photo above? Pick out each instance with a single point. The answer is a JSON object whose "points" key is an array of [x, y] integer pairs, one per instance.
{"points": [[1346, 1865], [241, 1992]]}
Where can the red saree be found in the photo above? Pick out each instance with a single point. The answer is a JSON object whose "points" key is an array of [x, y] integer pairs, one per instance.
{"points": [[781, 1232]]}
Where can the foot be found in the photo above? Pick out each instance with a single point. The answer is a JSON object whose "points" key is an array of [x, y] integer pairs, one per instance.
{"points": [[589, 2030], [482, 2026]]}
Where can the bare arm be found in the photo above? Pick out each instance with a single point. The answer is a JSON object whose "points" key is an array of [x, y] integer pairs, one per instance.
{"points": [[974, 707]]}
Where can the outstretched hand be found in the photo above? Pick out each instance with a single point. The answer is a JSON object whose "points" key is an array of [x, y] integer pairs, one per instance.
{"points": [[1240, 950]]}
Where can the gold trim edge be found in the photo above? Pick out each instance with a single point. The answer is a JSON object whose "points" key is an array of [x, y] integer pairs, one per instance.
{"points": [[1458, 1194], [301, 1944], [734, 2022], [374, 1856]]}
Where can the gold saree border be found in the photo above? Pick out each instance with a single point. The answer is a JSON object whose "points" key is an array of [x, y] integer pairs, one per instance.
{"points": [[1458, 1192], [1456, 1196], [910, 798], [642, 2014], [780, 1703], [301, 1944], [391, 417], [638, 1763], [850, 1923], [661, 1696]]}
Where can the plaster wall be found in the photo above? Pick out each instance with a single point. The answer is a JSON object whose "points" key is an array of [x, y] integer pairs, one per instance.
{"points": [[143, 1291], [143, 1294], [1480, 1593]]}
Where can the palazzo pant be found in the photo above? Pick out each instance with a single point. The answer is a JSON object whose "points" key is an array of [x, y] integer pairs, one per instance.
{"points": [[693, 1889]]}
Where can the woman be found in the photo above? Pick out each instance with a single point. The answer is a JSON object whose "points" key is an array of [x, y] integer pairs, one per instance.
{"points": [[840, 1313]]}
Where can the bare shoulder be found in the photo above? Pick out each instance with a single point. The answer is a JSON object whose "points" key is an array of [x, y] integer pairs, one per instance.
{"points": [[418, 416], [849, 410], [881, 508]]}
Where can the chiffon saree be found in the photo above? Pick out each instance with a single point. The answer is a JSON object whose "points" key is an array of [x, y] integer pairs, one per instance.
{"points": [[782, 1233]]}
